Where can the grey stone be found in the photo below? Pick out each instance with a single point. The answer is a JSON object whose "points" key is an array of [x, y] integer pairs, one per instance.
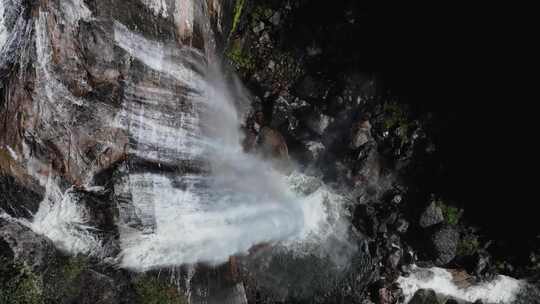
{"points": [[431, 216]]}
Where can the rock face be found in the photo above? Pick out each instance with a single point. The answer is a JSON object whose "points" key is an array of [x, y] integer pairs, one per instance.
{"points": [[24, 246], [17, 200]]}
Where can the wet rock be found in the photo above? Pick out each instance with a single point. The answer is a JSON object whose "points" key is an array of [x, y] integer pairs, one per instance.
{"points": [[272, 143], [401, 225], [25, 246], [366, 220], [259, 28], [444, 242], [315, 149], [433, 215], [482, 261], [393, 259], [425, 296], [17, 200], [318, 122], [360, 133], [281, 111], [96, 288], [386, 296], [311, 89], [276, 18]]}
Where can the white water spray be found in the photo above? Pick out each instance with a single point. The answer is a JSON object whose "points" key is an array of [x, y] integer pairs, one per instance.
{"points": [[241, 202], [502, 289]]}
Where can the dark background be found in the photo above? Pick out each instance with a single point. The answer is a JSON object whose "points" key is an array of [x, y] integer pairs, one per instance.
{"points": [[458, 63]]}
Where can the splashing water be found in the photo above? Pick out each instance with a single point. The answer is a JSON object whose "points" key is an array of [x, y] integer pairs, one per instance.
{"points": [[179, 111], [242, 201], [502, 289]]}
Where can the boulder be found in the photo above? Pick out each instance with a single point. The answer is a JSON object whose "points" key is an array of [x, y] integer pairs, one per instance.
{"points": [[444, 241], [433, 215], [425, 296], [24, 246], [318, 122], [360, 134], [17, 200]]}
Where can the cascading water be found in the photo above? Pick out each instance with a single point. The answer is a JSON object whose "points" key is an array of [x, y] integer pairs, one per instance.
{"points": [[241, 201], [189, 193]]}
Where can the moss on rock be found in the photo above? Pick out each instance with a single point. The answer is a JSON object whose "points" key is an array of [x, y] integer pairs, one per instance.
{"points": [[468, 245], [19, 285], [452, 215], [151, 290]]}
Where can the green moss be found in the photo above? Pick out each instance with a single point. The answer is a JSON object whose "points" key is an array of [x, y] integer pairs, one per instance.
{"points": [[19, 285], [74, 267], [452, 215], [238, 8], [468, 245], [154, 291], [236, 54], [396, 117]]}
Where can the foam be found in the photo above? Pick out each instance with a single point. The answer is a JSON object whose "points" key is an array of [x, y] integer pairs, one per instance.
{"points": [[502, 289]]}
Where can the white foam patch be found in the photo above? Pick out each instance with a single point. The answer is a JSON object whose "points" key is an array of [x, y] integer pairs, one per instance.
{"points": [[502, 289], [65, 222], [158, 7]]}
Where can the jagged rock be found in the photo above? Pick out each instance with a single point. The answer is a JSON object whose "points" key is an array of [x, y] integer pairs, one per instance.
{"points": [[318, 122], [259, 27], [386, 296], [315, 149], [425, 296], [17, 200], [25, 246], [276, 18], [401, 225], [433, 215], [360, 133], [444, 242], [96, 288], [393, 259], [272, 143]]}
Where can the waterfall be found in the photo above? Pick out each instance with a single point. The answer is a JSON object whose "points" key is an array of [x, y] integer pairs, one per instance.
{"points": [[188, 192], [238, 202]]}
